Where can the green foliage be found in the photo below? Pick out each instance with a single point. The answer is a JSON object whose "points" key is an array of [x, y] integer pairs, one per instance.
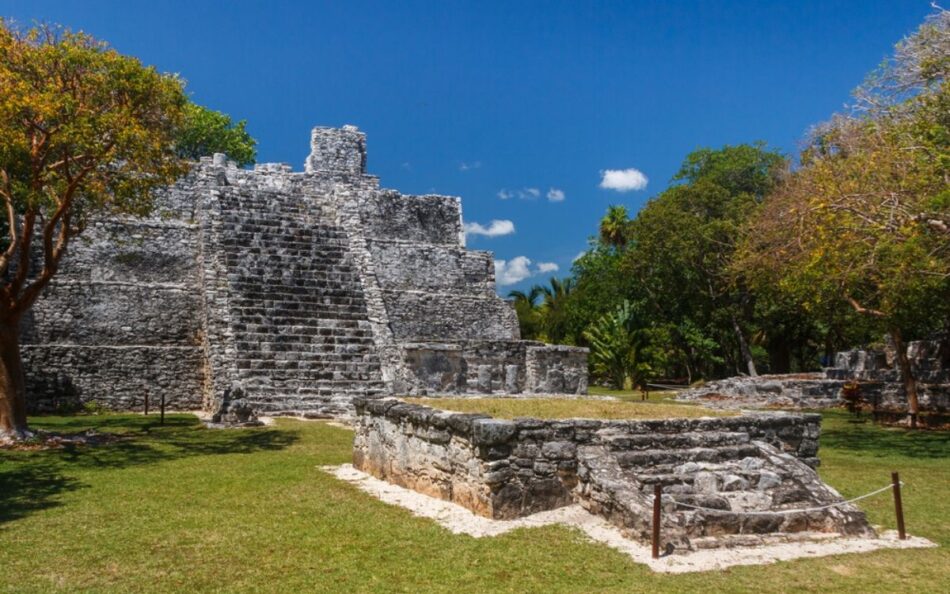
{"points": [[864, 224], [82, 127], [553, 309], [529, 316], [206, 132], [683, 243], [84, 131], [542, 312], [613, 227], [617, 349]]}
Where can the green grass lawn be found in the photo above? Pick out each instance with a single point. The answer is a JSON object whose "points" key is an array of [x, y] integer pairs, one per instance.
{"points": [[181, 508], [567, 408], [636, 395]]}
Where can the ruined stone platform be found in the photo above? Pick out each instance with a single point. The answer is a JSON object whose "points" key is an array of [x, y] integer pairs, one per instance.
{"points": [[761, 463], [874, 373], [460, 520]]}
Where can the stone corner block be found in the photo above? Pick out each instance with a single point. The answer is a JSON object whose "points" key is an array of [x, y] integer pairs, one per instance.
{"points": [[492, 431]]}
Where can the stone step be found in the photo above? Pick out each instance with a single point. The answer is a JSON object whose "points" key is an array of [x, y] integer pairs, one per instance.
{"points": [[319, 279], [654, 457], [312, 360], [297, 310], [308, 376], [652, 441], [308, 363], [298, 335], [316, 313], [289, 399]]}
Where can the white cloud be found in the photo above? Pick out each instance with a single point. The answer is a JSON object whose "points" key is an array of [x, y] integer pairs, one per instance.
{"points": [[522, 194], [623, 180], [509, 272], [496, 228], [556, 195], [579, 255], [544, 267], [463, 166]]}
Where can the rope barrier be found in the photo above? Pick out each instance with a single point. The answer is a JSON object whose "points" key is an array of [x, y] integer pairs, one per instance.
{"points": [[785, 511]]}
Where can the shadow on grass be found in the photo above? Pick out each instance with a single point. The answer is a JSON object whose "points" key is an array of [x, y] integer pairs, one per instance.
{"points": [[28, 488], [34, 480], [870, 439]]}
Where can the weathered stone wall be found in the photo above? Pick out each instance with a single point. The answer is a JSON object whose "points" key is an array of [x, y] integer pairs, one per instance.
{"points": [[298, 291], [496, 367], [62, 377], [122, 317], [419, 219], [556, 369], [506, 469], [430, 267], [879, 383]]}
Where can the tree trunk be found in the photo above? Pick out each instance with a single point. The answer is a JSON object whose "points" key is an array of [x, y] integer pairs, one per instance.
{"points": [[12, 384], [780, 355], [907, 376], [744, 347]]}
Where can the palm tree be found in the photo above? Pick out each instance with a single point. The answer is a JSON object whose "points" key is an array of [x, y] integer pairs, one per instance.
{"points": [[613, 227], [530, 298], [553, 303], [527, 308]]}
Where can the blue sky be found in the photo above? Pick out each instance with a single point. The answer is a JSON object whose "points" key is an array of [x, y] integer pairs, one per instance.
{"points": [[489, 99]]}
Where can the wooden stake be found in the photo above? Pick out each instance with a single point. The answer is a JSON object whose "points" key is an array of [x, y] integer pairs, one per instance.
{"points": [[162, 421], [146, 403], [898, 506], [657, 492]]}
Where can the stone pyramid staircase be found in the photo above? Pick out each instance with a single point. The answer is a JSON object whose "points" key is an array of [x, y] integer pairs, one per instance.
{"points": [[295, 306], [714, 469]]}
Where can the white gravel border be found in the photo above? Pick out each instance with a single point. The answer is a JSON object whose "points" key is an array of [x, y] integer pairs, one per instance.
{"points": [[460, 520]]}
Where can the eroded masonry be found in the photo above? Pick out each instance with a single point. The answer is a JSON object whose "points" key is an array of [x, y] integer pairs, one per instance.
{"points": [[295, 291], [743, 480]]}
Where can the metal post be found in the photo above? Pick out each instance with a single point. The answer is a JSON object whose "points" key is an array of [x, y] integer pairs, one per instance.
{"points": [[146, 403], [162, 421], [657, 492], [898, 506]]}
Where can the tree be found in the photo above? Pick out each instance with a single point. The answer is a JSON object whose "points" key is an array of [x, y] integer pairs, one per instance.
{"points": [[553, 308], [206, 131], [618, 348], [613, 227], [682, 244], [83, 130], [526, 306], [865, 222]]}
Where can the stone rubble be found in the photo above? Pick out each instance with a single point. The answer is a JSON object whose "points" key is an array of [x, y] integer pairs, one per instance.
{"points": [[874, 371]]}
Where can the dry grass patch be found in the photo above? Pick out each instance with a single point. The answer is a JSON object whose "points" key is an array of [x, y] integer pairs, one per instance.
{"points": [[568, 408]]}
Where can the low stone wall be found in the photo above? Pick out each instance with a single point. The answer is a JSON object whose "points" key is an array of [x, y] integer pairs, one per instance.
{"points": [[879, 383], [65, 377], [814, 391], [495, 367], [506, 469]]}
